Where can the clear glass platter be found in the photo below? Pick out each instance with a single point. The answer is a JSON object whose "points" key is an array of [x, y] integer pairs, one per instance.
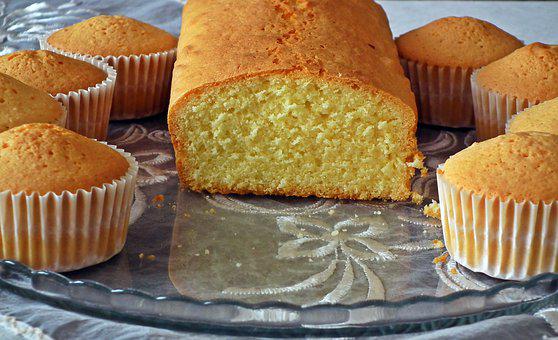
{"points": [[279, 266]]}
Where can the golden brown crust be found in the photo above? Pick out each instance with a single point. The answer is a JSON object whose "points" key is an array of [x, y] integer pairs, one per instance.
{"points": [[51, 72], [530, 72], [457, 42], [46, 158], [520, 166], [326, 37], [542, 117], [21, 104], [112, 35]]}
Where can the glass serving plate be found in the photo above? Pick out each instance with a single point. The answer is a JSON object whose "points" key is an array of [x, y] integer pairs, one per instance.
{"points": [[279, 266]]}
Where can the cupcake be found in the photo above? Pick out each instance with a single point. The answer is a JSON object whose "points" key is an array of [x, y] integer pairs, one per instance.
{"points": [[509, 85], [60, 210], [440, 57], [542, 117], [84, 88], [21, 104], [498, 205], [142, 54]]}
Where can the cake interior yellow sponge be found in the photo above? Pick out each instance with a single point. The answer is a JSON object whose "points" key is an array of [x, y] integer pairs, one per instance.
{"points": [[303, 122], [295, 136]]}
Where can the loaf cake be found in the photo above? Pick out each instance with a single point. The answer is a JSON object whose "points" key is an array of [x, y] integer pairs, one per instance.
{"points": [[296, 98]]}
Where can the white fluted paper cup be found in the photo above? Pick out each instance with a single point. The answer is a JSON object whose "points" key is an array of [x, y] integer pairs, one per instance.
{"points": [[88, 110], [504, 239], [493, 110], [143, 85], [68, 231], [443, 93]]}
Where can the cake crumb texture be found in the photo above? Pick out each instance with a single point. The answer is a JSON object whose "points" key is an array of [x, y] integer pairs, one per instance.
{"points": [[530, 72], [270, 145], [308, 98], [112, 35], [416, 198], [457, 41], [51, 72], [542, 117], [21, 104], [520, 166], [47, 158], [440, 260], [432, 210]]}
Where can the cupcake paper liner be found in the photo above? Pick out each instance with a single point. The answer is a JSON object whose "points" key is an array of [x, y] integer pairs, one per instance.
{"points": [[67, 231], [443, 94], [504, 239], [493, 110], [89, 109], [143, 85]]}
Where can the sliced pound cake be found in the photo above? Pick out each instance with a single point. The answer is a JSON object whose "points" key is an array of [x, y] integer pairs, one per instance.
{"points": [[296, 98]]}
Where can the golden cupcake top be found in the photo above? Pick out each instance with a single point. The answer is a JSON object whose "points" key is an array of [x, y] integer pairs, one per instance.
{"points": [[519, 166], [530, 72], [457, 41], [542, 117], [51, 72], [112, 35], [47, 158], [21, 104]]}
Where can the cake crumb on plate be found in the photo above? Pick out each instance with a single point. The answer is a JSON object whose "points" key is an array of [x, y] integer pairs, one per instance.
{"points": [[416, 198], [432, 210]]}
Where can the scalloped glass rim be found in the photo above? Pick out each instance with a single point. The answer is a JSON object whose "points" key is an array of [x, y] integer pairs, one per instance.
{"points": [[276, 318]]}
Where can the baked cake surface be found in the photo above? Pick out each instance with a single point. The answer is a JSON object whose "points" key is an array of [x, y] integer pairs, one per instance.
{"points": [[542, 117], [21, 104], [114, 35], [457, 41], [530, 72], [520, 166], [307, 98], [47, 158], [51, 72]]}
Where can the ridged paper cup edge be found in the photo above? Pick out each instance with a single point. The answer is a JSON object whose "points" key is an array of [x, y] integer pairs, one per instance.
{"points": [[510, 249], [68, 231], [493, 110], [91, 121], [154, 101], [436, 105]]}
